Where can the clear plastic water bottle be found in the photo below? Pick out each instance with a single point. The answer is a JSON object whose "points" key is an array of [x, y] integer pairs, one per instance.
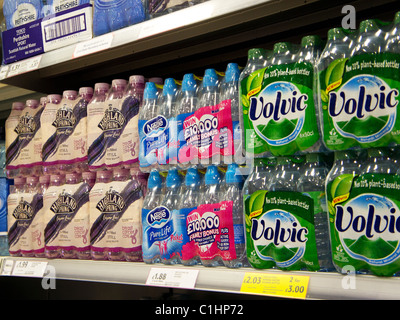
{"points": [[12, 147], [312, 183], [230, 90], [113, 156], [95, 113], [20, 12], [130, 139], [44, 182], [232, 191], [209, 94], [285, 176], [167, 108], [257, 59], [103, 181], [148, 138], [53, 249], [153, 199], [32, 165], [171, 201], [186, 106], [189, 202], [379, 160], [370, 39], [393, 39]]}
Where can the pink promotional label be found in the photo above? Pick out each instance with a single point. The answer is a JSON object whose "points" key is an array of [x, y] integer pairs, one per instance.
{"points": [[208, 132], [210, 232]]}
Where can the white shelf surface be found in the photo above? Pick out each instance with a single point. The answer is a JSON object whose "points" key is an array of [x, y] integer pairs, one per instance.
{"points": [[220, 279]]}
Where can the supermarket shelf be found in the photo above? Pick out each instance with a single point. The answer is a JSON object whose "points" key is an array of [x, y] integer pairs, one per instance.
{"points": [[221, 279], [209, 33]]}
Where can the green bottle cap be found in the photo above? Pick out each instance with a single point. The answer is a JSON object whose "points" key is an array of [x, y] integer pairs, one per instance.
{"points": [[311, 41], [282, 47], [256, 53]]}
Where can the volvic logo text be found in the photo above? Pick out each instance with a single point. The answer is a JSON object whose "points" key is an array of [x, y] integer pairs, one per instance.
{"points": [[278, 234], [366, 102], [370, 225], [277, 109]]}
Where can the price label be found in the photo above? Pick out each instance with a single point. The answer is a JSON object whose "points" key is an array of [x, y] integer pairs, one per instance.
{"points": [[29, 268], [23, 66], [95, 45], [279, 285], [178, 278]]}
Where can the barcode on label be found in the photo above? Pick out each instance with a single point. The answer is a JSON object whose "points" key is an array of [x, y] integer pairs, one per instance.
{"points": [[65, 27]]}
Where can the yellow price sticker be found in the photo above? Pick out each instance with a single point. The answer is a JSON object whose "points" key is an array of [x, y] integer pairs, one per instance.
{"points": [[279, 285]]}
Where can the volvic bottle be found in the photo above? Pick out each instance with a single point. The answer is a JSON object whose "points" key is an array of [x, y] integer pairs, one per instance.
{"points": [[379, 160], [14, 230], [95, 135], [12, 139], [154, 197], [371, 38], [148, 115], [312, 183], [187, 136], [51, 227], [346, 166], [114, 123], [130, 139], [168, 138], [232, 191], [393, 39], [177, 233], [230, 90], [188, 205], [257, 59], [49, 141], [20, 12]]}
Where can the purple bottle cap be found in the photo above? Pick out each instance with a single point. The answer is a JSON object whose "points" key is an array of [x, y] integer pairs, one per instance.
{"points": [[101, 86], [32, 103], [70, 94], [54, 98], [20, 180], [136, 79], [18, 105], [44, 179]]}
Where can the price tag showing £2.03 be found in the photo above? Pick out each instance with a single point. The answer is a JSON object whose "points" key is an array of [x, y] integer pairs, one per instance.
{"points": [[279, 285]]}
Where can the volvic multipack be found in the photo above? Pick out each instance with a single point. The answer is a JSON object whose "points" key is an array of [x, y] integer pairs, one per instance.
{"points": [[359, 83], [277, 102], [362, 193]]}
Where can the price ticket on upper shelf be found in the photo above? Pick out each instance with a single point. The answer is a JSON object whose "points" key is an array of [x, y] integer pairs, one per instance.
{"points": [[23, 268], [279, 285], [167, 277]]}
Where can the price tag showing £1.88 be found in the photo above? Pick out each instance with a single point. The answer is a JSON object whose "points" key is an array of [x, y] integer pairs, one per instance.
{"points": [[279, 285]]}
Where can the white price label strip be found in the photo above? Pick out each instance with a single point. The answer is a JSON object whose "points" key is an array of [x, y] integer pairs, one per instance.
{"points": [[177, 278], [95, 45], [24, 66], [29, 268]]}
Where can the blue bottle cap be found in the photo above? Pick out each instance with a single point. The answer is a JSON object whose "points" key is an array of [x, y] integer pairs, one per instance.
{"points": [[210, 78], [154, 180], [212, 175], [192, 177], [150, 91], [233, 174], [169, 87], [232, 72], [189, 82], [173, 178]]}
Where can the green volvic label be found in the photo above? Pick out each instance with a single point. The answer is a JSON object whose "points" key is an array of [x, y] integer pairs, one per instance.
{"points": [[278, 109], [280, 230], [364, 220], [360, 98]]}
